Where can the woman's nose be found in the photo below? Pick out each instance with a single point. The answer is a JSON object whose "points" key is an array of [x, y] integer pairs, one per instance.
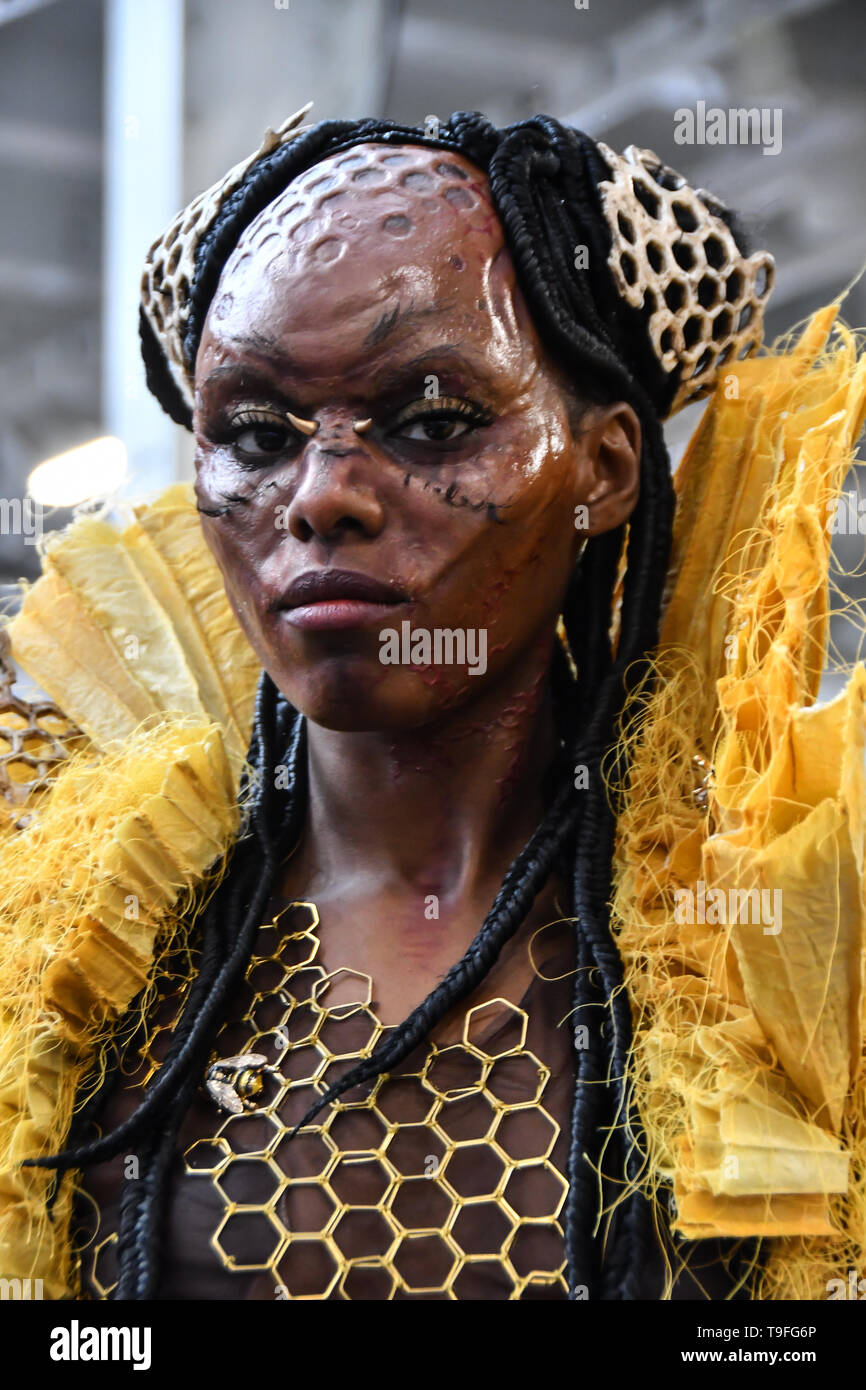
{"points": [[336, 488]]}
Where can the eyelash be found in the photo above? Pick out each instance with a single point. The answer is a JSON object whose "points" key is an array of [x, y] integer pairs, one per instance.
{"points": [[442, 405], [440, 408]]}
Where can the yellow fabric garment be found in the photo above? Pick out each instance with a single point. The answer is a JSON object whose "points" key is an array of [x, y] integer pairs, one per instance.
{"points": [[101, 875], [125, 623], [739, 883], [130, 632]]}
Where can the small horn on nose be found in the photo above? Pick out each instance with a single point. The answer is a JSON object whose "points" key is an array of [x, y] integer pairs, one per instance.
{"points": [[304, 426], [361, 426]]}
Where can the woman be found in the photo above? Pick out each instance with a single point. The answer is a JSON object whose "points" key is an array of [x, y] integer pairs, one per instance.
{"points": [[426, 376]]}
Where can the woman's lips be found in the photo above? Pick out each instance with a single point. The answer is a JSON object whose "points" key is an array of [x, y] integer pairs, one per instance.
{"points": [[332, 614], [321, 600]]}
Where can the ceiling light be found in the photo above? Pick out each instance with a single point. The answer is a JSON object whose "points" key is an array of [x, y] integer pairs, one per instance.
{"points": [[84, 474]]}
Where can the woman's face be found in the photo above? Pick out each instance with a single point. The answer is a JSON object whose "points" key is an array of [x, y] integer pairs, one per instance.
{"points": [[377, 290]]}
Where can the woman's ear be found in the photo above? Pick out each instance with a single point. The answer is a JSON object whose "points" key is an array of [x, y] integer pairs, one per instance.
{"points": [[609, 439]]}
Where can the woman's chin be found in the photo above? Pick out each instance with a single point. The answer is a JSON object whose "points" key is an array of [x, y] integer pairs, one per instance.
{"points": [[351, 699]]}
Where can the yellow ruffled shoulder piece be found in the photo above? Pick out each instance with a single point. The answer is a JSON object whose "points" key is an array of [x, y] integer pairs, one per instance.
{"points": [[129, 621], [104, 871], [130, 632], [739, 886]]}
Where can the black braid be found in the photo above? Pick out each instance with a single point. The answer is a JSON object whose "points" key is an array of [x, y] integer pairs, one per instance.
{"points": [[560, 300], [253, 869], [520, 887], [225, 952], [544, 180]]}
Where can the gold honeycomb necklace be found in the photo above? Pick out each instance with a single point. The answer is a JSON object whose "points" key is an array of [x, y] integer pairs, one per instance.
{"points": [[439, 1182]]}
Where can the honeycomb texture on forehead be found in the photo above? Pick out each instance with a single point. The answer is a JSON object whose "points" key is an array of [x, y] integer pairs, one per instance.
{"points": [[317, 212], [170, 264], [432, 1180], [674, 256]]}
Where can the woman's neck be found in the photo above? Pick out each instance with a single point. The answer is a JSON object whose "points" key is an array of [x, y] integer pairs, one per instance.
{"points": [[438, 810]]}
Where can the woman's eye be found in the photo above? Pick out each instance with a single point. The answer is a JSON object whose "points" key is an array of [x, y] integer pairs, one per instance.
{"points": [[259, 440], [448, 420], [434, 427], [259, 434]]}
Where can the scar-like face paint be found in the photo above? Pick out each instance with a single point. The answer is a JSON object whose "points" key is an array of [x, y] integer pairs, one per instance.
{"points": [[378, 287]]}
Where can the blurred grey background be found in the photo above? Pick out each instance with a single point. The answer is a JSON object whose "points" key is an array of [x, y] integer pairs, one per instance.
{"points": [[113, 113]]}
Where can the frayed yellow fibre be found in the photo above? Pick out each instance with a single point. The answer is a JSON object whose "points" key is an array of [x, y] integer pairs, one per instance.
{"points": [[99, 880], [740, 855]]}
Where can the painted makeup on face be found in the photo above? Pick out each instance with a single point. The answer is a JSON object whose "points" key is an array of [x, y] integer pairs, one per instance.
{"points": [[378, 287]]}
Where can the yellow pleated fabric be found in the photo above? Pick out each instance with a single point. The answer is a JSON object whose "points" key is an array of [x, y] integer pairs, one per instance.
{"points": [[739, 883], [133, 621], [129, 630], [90, 889]]}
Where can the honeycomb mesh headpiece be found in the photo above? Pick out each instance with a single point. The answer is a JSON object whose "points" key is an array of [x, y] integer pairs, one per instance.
{"points": [[658, 278]]}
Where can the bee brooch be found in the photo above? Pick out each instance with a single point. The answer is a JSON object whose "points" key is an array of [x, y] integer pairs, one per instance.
{"points": [[235, 1082]]}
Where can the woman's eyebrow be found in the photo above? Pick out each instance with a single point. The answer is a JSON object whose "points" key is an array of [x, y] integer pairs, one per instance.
{"points": [[385, 377], [238, 370], [446, 355], [401, 318], [392, 319]]}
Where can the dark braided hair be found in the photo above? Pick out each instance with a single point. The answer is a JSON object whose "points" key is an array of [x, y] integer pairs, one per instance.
{"points": [[544, 178]]}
